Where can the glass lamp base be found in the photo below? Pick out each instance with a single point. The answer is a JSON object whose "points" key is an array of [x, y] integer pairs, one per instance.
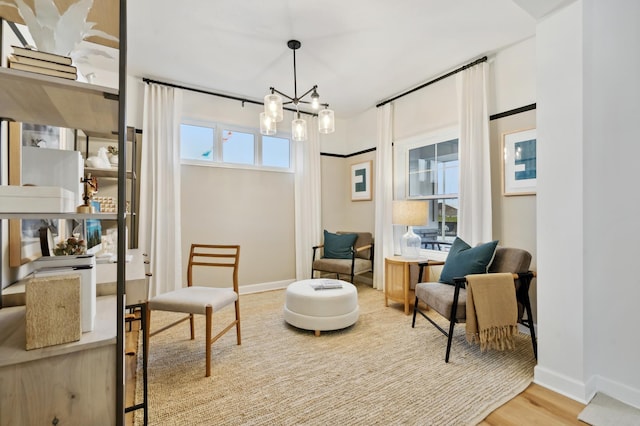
{"points": [[411, 244]]}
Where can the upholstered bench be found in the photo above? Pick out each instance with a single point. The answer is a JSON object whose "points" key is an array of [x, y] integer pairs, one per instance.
{"points": [[321, 309]]}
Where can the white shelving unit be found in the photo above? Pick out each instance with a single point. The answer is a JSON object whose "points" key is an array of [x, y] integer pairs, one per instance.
{"points": [[91, 371]]}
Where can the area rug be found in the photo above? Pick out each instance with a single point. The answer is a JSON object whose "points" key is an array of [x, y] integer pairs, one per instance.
{"points": [[603, 410], [379, 371]]}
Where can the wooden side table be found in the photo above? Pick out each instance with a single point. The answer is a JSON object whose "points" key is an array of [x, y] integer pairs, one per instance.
{"points": [[397, 286]]}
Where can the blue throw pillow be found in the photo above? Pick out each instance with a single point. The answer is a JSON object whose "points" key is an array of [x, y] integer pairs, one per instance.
{"points": [[464, 260], [338, 246]]}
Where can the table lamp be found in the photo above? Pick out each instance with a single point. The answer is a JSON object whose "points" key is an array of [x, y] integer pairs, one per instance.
{"points": [[410, 213]]}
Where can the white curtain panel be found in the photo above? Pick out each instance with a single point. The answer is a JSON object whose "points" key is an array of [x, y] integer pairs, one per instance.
{"points": [[160, 235], [383, 194], [308, 227], [474, 217]]}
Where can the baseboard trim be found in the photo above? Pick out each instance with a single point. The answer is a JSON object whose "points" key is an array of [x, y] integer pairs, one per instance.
{"points": [[560, 383], [617, 390], [260, 287]]}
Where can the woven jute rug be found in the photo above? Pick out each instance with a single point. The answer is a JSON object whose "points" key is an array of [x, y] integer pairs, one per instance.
{"points": [[379, 371]]}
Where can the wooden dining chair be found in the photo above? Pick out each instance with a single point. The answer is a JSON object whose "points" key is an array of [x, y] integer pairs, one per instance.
{"points": [[203, 299]]}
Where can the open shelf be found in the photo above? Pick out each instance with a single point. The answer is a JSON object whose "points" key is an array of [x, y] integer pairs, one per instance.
{"points": [[107, 173], [40, 99]]}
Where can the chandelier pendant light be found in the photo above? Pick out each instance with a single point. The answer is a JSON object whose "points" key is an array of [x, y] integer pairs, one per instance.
{"points": [[274, 107]]}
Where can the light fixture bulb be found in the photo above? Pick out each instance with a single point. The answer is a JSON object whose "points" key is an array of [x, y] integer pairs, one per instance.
{"points": [[273, 106], [315, 100], [299, 129], [267, 124], [326, 121]]}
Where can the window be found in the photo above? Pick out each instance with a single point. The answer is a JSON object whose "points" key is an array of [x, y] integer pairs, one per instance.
{"points": [[216, 144], [197, 142], [428, 168]]}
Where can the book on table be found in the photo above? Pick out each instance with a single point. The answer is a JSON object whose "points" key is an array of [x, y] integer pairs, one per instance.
{"points": [[326, 285], [41, 63], [45, 56]]}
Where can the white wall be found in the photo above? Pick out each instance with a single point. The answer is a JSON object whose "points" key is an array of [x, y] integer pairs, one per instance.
{"points": [[587, 113], [611, 151], [514, 77]]}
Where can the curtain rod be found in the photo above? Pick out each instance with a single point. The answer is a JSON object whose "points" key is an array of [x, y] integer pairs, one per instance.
{"points": [[435, 80], [221, 95]]}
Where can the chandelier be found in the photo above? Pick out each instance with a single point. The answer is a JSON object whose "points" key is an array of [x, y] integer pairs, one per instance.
{"points": [[274, 106]]}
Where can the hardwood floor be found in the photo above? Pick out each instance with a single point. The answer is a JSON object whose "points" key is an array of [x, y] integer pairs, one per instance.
{"points": [[536, 405]]}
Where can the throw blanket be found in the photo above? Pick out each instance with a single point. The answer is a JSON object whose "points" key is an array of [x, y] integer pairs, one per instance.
{"points": [[492, 310]]}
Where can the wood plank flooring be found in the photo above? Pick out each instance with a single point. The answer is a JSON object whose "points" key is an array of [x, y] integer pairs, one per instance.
{"points": [[536, 405]]}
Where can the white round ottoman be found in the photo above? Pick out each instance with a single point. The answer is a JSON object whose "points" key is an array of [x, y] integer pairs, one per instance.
{"points": [[323, 309]]}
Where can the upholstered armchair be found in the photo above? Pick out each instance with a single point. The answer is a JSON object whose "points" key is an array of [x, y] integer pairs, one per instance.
{"points": [[449, 298], [344, 253]]}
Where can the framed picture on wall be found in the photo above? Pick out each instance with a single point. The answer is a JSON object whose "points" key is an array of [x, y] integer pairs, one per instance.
{"points": [[519, 169], [361, 181]]}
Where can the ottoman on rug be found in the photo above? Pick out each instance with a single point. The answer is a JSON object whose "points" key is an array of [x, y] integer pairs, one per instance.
{"points": [[321, 304]]}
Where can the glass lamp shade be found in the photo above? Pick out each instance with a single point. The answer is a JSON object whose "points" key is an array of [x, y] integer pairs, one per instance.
{"points": [[267, 124], [273, 106], [299, 129], [326, 121]]}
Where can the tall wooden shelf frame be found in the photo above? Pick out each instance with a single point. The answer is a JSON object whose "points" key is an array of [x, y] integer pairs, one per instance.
{"points": [[33, 98]]}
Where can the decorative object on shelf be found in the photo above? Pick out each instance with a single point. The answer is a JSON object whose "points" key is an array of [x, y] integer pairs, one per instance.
{"points": [[100, 161], [113, 155], [71, 246], [273, 107], [410, 213], [56, 33], [361, 181], [90, 188], [519, 162]]}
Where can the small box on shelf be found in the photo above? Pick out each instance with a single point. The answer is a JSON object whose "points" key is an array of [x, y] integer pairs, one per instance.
{"points": [[53, 311]]}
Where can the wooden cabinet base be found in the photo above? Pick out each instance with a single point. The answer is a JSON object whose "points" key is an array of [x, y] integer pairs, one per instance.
{"points": [[77, 388]]}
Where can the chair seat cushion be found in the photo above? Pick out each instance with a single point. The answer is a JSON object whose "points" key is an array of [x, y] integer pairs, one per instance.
{"points": [[193, 300], [439, 297], [342, 266]]}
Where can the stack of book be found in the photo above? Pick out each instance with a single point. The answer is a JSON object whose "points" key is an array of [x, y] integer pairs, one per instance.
{"points": [[25, 59]]}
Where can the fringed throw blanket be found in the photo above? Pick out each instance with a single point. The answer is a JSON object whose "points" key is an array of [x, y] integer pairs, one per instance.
{"points": [[492, 310]]}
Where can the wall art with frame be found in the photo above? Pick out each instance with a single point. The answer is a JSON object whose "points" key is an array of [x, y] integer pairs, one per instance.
{"points": [[519, 164], [361, 181]]}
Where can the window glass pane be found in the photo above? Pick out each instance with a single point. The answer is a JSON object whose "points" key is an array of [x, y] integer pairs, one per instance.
{"points": [[237, 147], [275, 152], [441, 228], [422, 171], [196, 142], [434, 169]]}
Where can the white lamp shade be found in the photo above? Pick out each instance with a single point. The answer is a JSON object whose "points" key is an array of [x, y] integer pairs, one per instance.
{"points": [[267, 124], [326, 121], [273, 106], [411, 213], [299, 129]]}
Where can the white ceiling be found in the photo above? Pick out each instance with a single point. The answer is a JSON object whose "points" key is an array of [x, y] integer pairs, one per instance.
{"points": [[358, 52]]}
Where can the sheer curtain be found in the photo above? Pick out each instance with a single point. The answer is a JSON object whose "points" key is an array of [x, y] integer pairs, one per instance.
{"points": [[307, 200], [474, 220], [160, 235], [383, 194]]}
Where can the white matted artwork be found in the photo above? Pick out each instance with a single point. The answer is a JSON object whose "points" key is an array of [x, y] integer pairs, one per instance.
{"points": [[361, 181], [519, 166]]}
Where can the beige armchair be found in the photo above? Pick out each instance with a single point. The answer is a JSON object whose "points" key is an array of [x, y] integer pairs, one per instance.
{"points": [[344, 253], [450, 300]]}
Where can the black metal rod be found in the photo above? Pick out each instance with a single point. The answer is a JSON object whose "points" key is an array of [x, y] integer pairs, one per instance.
{"points": [[435, 80], [220, 95], [122, 195], [295, 82]]}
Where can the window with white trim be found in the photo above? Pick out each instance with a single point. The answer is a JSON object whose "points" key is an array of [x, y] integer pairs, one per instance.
{"points": [[219, 144], [428, 168]]}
